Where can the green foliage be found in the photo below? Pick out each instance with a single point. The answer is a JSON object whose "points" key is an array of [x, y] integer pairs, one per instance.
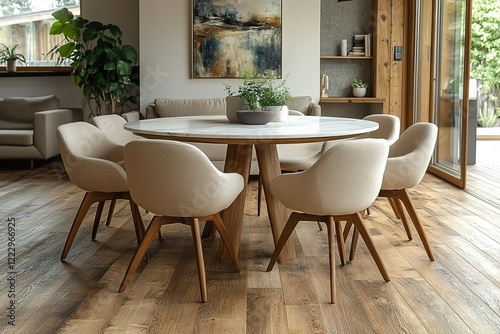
{"points": [[101, 64], [486, 118], [358, 83], [485, 48], [11, 7], [7, 53], [260, 90]]}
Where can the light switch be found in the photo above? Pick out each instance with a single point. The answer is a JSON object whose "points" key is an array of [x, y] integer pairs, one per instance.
{"points": [[398, 52]]}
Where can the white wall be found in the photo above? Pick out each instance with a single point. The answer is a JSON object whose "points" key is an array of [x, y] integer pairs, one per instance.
{"points": [[165, 47]]}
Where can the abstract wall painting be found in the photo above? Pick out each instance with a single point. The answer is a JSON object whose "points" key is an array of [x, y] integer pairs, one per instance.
{"points": [[232, 36]]}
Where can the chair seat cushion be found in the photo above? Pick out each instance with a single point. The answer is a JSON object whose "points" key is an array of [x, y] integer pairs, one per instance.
{"points": [[16, 137]]}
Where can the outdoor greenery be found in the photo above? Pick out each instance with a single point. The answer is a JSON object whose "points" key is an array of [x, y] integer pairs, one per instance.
{"points": [[11, 7], [261, 90], [485, 54], [486, 118], [101, 64]]}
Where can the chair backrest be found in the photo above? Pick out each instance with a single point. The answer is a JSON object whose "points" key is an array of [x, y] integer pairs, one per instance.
{"points": [[409, 156], [177, 179], [388, 129], [112, 127], [90, 159], [345, 179]]}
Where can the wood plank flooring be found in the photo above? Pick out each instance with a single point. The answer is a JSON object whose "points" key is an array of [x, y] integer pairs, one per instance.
{"points": [[457, 293]]}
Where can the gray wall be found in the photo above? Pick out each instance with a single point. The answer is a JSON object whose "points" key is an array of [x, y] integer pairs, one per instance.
{"points": [[165, 44]]}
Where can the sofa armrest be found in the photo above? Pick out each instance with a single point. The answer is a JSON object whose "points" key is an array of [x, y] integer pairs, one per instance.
{"points": [[314, 109], [151, 111], [45, 126]]}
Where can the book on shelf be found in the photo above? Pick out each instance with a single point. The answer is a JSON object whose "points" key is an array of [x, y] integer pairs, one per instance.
{"points": [[357, 53], [358, 41], [368, 45], [361, 46]]}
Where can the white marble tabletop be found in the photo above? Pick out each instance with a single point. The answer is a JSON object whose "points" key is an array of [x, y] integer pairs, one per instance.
{"points": [[218, 129]]}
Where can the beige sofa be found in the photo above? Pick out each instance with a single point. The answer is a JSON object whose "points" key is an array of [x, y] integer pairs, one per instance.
{"points": [[28, 126], [300, 105]]}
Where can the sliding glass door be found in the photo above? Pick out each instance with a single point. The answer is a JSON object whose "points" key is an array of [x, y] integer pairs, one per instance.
{"points": [[441, 77]]}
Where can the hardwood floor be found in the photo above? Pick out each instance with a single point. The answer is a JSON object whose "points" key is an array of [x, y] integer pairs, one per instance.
{"points": [[457, 293]]}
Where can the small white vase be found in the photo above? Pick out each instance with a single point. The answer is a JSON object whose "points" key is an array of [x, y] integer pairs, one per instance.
{"points": [[233, 103], [11, 65], [359, 92], [280, 113]]}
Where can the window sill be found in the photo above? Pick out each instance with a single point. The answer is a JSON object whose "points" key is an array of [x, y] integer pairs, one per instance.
{"points": [[36, 71]]}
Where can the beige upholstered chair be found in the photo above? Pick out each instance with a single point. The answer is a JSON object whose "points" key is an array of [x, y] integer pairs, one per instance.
{"points": [[408, 160], [112, 128], [93, 164], [178, 183], [343, 182]]}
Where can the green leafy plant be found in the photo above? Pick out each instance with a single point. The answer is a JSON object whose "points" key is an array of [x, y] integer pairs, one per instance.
{"points": [[358, 83], [7, 54], [102, 66], [261, 90], [486, 118]]}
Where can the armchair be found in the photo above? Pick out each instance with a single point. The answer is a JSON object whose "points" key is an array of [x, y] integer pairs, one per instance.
{"points": [[28, 126]]}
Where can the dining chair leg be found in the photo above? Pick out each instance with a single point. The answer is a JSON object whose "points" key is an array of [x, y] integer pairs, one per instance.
{"points": [[319, 226], [200, 262], [402, 216], [292, 222], [97, 219], [87, 201], [358, 223], [208, 230], [354, 243], [347, 229], [221, 228], [138, 225], [331, 255], [340, 242], [140, 252], [405, 198], [111, 211]]}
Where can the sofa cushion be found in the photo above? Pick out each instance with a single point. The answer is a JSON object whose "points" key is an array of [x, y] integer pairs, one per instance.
{"points": [[190, 107], [23, 109], [16, 137]]}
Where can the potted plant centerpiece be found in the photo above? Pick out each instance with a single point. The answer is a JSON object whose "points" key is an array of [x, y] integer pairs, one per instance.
{"points": [[10, 57], [359, 88], [102, 66], [275, 97], [257, 93]]}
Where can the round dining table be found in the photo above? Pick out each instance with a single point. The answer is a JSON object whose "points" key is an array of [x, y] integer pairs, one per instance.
{"points": [[240, 138]]}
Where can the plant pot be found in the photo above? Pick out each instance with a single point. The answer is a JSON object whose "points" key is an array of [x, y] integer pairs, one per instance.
{"points": [[233, 104], [359, 92], [280, 113], [254, 117], [11, 65]]}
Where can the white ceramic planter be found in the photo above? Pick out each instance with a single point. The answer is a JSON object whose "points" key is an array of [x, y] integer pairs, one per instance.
{"points": [[280, 113], [233, 103], [359, 92], [11, 65]]}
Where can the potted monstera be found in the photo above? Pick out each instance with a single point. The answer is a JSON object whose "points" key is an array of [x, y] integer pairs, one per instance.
{"points": [[10, 56], [102, 66]]}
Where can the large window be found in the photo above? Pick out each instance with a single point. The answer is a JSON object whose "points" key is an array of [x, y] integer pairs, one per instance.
{"points": [[27, 23]]}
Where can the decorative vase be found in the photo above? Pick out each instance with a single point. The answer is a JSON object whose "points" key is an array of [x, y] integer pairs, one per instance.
{"points": [[254, 117], [280, 113], [233, 103], [359, 91], [11, 65]]}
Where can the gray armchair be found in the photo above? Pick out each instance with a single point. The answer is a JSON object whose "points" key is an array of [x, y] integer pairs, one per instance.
{"points": [[28, 126]]}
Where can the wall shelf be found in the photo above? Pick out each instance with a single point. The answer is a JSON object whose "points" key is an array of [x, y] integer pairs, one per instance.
{"points": [[351, 100], [345, 57]]}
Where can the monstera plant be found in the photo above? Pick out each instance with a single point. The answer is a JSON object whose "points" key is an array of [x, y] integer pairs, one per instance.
{"points": [[102, 66]]}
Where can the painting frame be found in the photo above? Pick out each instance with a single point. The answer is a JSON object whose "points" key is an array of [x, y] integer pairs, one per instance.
{"points": [[231, 37]]}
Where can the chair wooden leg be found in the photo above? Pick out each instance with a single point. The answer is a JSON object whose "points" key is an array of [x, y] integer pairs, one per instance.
{"points": [[97, 219], [405, 198], [221, 228], [111, 211], [358, 223], [292, 222], [354, 243], [331, 255], [200, 262], [347, 229], [140, 252], [208, 230], [320, 227], [340, 242], [87, 201], [402, 216], [259, 195]]}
